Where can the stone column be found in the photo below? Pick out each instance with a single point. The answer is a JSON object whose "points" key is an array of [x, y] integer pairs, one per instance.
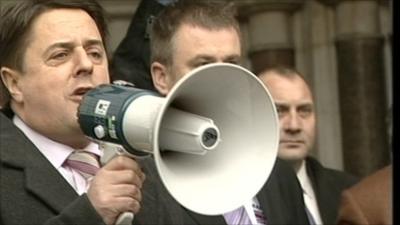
{"points": [[270, 40], [361, 77]]}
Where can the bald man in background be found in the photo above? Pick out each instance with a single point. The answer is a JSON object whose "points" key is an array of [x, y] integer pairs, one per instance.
{"points": [[295, 105]]}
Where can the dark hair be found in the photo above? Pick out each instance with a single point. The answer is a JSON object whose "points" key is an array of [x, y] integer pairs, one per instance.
{"points": [[16, 22], [17, 19], [213, 15]]}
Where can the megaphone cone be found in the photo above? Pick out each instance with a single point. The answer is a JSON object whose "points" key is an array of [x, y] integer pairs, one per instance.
{"points": [[224, 98], [233, 173]]}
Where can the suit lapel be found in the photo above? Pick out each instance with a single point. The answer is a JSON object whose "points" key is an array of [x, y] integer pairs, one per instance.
{"points": [[41, 178], [323, 198], [268, 202], [46, 183], [273, 195]]}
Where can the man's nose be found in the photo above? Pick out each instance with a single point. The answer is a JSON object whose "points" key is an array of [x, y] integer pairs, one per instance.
{"points": [[292, 123], [83, 62]]}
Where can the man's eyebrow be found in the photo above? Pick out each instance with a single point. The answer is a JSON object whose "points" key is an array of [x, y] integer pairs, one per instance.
{"points": [[212, 58], [67, 45], [70, 45], [91, 42], [232, 57], [202, 57], [307, 105], [301, 106]]}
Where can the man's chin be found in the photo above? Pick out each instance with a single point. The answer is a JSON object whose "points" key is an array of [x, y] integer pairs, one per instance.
{"points": [[291, 155]]}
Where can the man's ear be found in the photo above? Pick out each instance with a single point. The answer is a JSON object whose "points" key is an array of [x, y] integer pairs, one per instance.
{"points": [[11, 80], [160, 79]]}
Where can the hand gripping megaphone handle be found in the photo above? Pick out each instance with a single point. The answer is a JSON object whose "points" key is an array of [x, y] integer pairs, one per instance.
{"points": [[110, 151]]}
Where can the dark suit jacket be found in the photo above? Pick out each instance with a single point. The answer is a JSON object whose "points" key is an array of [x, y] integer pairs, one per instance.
{"points": [[369, 201], [328, 185], [33, 192]]}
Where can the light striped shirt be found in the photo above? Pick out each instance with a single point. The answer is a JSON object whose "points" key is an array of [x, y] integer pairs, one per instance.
{"points": [[57, 153]]}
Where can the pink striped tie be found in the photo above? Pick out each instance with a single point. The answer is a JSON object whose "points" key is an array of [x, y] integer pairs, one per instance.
{"points": [[86, 163], [240, 216]]}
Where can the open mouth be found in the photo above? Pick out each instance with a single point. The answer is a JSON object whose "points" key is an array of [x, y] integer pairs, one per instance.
{"points": [[78, 94]]}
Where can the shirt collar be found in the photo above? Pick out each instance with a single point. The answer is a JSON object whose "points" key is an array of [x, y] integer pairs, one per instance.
{"points": [[304, 180], [55, 152]]}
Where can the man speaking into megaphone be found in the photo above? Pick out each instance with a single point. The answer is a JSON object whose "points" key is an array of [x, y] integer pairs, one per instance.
{"points": [[42, 180]]}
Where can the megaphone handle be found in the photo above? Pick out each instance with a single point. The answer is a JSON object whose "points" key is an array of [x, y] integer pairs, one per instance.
{"points": [[125, 218], [110, 151]]}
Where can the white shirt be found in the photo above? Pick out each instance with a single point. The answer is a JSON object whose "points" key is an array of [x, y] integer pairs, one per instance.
{"points": [[308, 193], [57, 153]]}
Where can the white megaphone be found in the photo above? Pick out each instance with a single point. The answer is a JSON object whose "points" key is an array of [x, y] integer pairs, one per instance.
{"points": [[214, 137]]}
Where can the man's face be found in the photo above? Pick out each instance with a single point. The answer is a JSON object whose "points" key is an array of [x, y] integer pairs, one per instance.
{"points": [[295, 108], [65, 57], [196, 46]]}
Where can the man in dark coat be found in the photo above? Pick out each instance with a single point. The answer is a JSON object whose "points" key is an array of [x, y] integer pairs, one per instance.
{"points": [[51, 53], [295, 105], [187, 35]]}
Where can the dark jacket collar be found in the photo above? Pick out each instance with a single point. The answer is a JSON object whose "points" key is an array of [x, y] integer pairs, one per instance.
{"points": [[41, 178]]}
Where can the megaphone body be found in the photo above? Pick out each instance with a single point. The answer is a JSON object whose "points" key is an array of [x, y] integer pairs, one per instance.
{"points": [[214, 137], [127, 116]]}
